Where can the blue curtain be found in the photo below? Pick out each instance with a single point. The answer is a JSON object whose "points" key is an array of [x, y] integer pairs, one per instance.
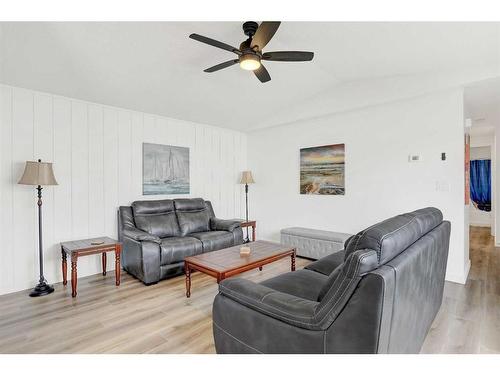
{"points": [[480, 183]]}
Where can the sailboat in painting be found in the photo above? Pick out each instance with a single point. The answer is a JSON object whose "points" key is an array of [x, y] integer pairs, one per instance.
{"points": [[165, 169]]}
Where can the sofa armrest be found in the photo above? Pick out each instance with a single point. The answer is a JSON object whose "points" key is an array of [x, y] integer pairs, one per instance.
{"points": [[139, 235], [141, 259], [290, 309], [227, 225]]}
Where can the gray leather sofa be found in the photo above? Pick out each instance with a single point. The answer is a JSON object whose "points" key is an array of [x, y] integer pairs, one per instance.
{"points": [[379, 295], [157, 235]]}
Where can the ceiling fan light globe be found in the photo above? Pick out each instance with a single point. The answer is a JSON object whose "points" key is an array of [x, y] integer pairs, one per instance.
{"points": [[249, 62]]}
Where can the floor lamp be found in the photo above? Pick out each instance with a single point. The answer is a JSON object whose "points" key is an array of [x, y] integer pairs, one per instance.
{"points": [[38, 174], [246, 178]]}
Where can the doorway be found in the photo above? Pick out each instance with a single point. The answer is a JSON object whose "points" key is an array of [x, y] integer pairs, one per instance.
{"points": [[480, 207]]}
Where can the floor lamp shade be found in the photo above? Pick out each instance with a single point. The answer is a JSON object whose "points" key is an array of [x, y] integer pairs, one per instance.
{"points": [[246, 178], [38, 174]]}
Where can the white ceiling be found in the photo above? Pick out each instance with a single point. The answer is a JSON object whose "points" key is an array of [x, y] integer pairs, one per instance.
{"points": [[156, 68]]}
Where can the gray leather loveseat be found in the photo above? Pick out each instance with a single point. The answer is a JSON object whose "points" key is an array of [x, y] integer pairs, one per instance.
{"points": [[157, 235], [379, 295]]}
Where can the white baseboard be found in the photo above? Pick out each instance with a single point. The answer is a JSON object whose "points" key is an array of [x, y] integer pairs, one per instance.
{"points": [[466, 270], [459, 279]]}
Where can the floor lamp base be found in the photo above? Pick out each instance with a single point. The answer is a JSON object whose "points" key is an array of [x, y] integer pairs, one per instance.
{"points": [[42, 289]]}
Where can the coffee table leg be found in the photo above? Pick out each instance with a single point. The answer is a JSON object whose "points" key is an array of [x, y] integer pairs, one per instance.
{"points": [[64, 267], [73, 276], [104, 264], [188, 279], [293, 261], [260, 268], [118, 252]]}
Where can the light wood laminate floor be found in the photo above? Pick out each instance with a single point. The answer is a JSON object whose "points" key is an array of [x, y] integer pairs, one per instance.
{"points": [[133, 318], [469, 319]]}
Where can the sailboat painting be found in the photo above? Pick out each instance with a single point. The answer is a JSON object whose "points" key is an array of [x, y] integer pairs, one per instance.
{"points": [[165, 169]]}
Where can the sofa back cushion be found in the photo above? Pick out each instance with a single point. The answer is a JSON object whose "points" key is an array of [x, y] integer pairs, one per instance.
{"points": [[391, 237], [193, 215], [156, 217]]}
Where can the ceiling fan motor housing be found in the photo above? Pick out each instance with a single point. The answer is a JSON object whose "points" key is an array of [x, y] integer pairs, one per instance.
{"points": [[250, 28]]}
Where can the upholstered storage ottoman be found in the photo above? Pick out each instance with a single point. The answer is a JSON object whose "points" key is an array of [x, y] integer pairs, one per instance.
{"points": [[313, 243]]}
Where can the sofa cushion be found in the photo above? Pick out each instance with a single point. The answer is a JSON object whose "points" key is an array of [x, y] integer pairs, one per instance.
{"points": [[328, 264], [302, 283], [156, 217], [193, 215], [214, 240], [392, 236], [175, 249]]}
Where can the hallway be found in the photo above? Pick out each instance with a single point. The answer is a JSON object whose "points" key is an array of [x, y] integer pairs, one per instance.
{"points": [[469, 319]]}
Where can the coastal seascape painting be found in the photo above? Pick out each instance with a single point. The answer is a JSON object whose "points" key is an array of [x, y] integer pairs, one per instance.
{"points": [[165, 169], [322, 170]]}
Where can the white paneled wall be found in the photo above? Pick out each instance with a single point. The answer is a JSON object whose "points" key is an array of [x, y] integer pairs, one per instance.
{"points": [[97, 155]]}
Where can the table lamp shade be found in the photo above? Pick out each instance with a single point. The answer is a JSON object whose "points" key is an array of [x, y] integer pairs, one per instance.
{"points": [[38, 173], [246, 177]]}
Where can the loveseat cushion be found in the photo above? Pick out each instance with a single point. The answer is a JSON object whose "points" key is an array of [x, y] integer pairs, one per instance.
{"points": [[193, 215], [214, 240], [392, 236], [302, 283], [175, 249], [156, 217]]}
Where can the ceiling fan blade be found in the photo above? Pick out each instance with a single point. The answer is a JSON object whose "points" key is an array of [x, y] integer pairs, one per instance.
{"points": [[221, 66], [262, 74], [288, 56], [264, 34], [215, 43]]}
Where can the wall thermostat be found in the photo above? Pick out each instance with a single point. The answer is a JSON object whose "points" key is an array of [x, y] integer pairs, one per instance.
{"points": [[413, 158]]}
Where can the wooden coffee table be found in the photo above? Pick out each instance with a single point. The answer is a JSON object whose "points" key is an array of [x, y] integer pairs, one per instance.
{"points": [[225, 263]]}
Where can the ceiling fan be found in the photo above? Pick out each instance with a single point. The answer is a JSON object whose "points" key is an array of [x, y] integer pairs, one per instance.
{"points": [[250, 54]]}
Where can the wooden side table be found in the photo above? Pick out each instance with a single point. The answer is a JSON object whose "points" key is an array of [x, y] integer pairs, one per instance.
{"points": [[250, 223], [76, 249]]}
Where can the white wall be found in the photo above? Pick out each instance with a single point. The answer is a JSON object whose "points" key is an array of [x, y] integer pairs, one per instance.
{"points": [[477, 217], [97, 155], [380, 182]]}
